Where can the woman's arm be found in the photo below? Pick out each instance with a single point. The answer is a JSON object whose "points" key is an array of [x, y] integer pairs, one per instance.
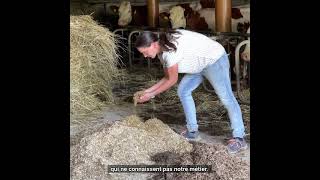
{"points": [[154, 87], [170, 79]]}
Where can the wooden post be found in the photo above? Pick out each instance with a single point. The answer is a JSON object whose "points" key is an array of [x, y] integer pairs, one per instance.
{"points": [[223, 15], [153, 13]]}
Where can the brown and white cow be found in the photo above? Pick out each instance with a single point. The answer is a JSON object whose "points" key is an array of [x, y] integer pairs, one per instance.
{"points": [[186, 16], [240, 16], [137, 15]]}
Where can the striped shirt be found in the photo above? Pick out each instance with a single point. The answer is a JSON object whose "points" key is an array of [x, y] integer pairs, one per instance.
{"points": [[195, 51]]}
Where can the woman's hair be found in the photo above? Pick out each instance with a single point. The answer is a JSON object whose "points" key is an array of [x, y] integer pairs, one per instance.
{"points": [[165, 39]]}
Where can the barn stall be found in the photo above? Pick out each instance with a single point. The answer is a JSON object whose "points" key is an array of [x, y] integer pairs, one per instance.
{"points": [[106, 127]]}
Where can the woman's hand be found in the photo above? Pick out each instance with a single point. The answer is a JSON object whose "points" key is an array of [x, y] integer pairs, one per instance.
{"points": [[136, 96], [145, 97]]}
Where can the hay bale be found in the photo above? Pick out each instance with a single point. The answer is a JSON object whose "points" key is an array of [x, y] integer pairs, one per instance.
{"points": [[128, 142], [224, 165], [93, 64]]}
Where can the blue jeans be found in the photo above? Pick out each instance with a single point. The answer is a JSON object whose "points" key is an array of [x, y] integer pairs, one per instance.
{"points": [[218, 76]]}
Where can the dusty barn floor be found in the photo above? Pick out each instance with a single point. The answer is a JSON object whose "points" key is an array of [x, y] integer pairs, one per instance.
{"points": [[214, 125]]}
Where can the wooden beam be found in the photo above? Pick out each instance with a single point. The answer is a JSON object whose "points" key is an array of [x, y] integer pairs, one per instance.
{"points": [[223, 15], [153, 13]]}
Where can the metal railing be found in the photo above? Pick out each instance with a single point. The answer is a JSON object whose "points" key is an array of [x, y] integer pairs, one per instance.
{"points": [[122, 39], [130, 52]]}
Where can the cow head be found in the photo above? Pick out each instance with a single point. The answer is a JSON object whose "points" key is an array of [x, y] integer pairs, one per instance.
{"points": [[125, 15], [246, 54], [177, 17]]}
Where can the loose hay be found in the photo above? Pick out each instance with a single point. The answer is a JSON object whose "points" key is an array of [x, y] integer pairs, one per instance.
{"points": [[245, 95], [93, 65], [169, 97], [136, 97], [128, 142], [224, 165], [214, 107]]}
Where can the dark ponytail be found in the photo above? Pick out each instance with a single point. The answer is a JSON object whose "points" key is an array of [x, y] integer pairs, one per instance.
{"points": [[165, 39]]}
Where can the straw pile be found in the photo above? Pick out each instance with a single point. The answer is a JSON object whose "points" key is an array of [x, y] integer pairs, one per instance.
{"points": [[93, 64], [223, 165], [128, 142]]}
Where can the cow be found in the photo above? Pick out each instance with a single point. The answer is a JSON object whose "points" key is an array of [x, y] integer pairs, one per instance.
{"points": [[131, 15], [128, 14], [195, 22], [137, 15], [189, 16], [177, 17], [245, 55], [186, 16], [240, 16]]}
